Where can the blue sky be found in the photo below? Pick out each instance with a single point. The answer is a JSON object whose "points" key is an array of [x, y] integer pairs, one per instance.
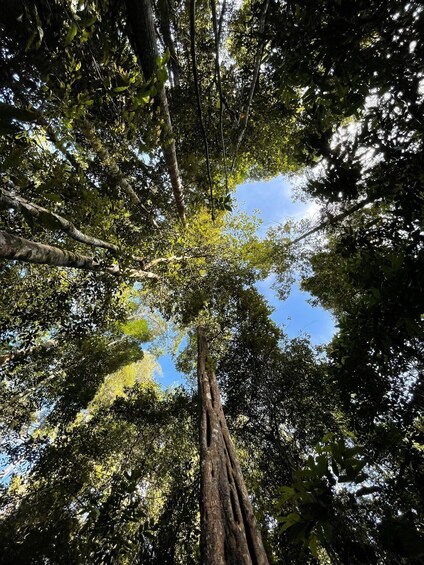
{"points": [[274, 203]]}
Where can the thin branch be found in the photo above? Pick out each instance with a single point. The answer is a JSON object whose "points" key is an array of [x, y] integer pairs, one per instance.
{"points": [[258, 60], [64, 225], [199, 104], [217, 33], [331, 220]]}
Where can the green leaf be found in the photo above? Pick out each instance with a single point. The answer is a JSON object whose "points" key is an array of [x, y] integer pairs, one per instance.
{"points": [[13, 158], [71, 33], [121, 88], [89, 21], [31, 40], [327, 437], [313, 545], [322, 465], [289, 521], [162, 75], [52, 197], [137, 329], [286, 494]]}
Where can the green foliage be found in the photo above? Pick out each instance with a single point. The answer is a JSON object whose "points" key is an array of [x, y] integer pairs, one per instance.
{"points": [[312, 492], [105, 465], [137, 329]]}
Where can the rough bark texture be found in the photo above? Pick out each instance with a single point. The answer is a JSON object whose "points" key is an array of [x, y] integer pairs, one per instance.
{"points": [[198, 99], [229, 533], [141, 21], [21, 249], [165, 10]]}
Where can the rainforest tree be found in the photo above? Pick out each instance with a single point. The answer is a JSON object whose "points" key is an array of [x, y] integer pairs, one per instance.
{"points": [[125, 127]]}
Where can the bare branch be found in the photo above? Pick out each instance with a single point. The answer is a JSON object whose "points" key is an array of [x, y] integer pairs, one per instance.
{"points": [[331, 220]]}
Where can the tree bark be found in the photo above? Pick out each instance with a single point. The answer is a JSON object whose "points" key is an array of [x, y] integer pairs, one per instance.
{"points": [[21, 249], [18, 203], [229, 533], [198, 100], [165, 28], [141, 22]]}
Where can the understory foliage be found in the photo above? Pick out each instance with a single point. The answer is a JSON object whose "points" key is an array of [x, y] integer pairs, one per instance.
{"points": [[99, 463]]}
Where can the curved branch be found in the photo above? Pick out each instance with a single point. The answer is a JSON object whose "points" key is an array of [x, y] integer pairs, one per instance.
{"points": [[64, 225]]}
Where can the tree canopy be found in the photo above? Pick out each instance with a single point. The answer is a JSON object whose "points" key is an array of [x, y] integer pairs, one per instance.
{"points": [[125, 128]]}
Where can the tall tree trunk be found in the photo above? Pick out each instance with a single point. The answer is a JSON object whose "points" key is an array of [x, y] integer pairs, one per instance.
{"points": [[141, 22], [164, 10], [229, 533]]}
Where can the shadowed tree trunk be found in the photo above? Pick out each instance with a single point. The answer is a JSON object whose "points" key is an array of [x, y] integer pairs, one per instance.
{"points": [[141, 22], [229, 533]]}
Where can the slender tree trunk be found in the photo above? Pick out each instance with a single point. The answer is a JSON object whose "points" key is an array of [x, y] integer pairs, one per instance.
{"points": [[198, 100], [332, 220], [141, 22], [229, 533], [165, 29]]}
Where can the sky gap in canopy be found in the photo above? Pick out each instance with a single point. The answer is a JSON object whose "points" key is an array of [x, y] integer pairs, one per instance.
{"points": [[274, 203]]}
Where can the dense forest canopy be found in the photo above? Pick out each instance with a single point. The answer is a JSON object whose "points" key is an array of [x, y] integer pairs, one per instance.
{"points": [[125, 128]]}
